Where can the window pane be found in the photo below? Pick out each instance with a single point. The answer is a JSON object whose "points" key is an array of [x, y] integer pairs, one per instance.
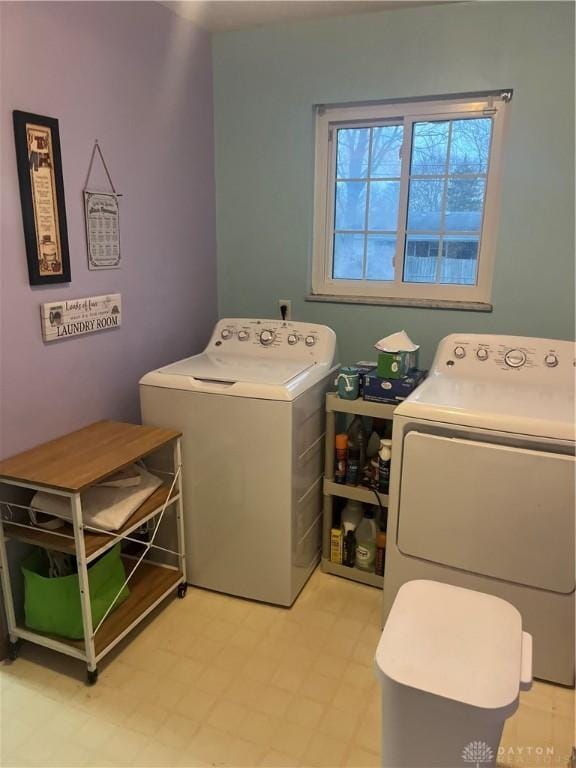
{"points": [[384, 199], [348, 257], [464, 205], [350, 204], [380, 257], [425, 204], [470, 145], [420, 259], [386, 146], [459, 261], [352, 153], [429, 148]]}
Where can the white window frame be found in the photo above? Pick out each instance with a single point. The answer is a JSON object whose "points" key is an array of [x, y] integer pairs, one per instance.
{"points": [[328, 119]]}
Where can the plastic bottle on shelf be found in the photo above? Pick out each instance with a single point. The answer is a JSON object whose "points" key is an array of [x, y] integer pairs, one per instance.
{"points": [[357, 440], [352, 514], [353, 466], [383, 427], [341, 456], [351, 517], [377, 512], [374, 472], [384, 457], [349, 547], [380, 553], [336, 545], [366, 542]]}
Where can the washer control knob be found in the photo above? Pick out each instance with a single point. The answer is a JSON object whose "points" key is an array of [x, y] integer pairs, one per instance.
{"points": [[243, 335], [482, 354], [226, 333], [266, 337], [292, 338], [310, 341], [459, 352], [515, 358], [551, 360]]}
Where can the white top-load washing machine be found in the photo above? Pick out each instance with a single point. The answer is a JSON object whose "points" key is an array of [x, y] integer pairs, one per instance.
{"points": [[482, 484], [251, 410]]}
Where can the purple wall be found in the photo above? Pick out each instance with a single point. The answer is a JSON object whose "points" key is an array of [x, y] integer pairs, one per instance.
{"points": [[138, 78]]}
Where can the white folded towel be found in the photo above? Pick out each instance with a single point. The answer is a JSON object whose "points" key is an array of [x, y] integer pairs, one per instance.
{"points": [[107, 505]]}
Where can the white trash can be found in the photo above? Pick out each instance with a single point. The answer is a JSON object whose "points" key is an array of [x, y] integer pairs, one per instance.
{"points": [[451, 663]]}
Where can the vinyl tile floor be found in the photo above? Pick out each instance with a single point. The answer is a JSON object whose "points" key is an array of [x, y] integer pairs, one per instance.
{"points": [[216, 681]]}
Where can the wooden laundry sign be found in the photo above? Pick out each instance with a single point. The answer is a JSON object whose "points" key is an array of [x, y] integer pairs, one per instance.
{"points": [[62, 319]]}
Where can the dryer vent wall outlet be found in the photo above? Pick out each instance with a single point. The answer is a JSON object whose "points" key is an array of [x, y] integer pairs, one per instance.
{"points": [[285, 309]]}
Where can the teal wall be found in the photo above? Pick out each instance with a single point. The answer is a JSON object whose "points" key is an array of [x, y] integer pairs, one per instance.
{"points": [[266, 81]]}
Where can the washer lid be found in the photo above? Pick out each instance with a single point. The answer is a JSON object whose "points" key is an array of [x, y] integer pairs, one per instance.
{"points": [[233, 369], [455, 643]]}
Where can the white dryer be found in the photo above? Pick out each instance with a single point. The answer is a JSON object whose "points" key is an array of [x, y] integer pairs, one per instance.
{"points": [[251, 410], [482, 484]]}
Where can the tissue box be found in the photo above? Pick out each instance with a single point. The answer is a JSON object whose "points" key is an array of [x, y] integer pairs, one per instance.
{"points": [[380, 390], [395, 365]]}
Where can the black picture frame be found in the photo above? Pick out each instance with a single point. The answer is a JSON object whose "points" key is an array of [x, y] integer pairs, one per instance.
{"points": [[39, 162]]}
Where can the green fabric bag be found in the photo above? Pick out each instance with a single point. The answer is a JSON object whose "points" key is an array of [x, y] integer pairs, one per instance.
{"points": [[52, 605]]}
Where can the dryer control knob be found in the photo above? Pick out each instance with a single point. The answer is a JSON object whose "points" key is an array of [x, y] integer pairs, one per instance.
{"points": [[292, 338], [226, 333], [551, 360], [459, 352], [482, 354], [515, 358], [243, 335], [310, 341], [267, 337]]}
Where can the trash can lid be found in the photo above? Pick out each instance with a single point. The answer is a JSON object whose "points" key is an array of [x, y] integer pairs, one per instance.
{"points": [[453, 642]]}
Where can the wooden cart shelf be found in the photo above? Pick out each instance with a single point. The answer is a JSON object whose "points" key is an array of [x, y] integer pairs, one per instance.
{"points": [[66, 467], [148, 586], [62, 539], [80, 459]]}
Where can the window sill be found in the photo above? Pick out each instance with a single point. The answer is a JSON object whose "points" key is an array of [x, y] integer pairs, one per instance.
{"points": [[467, 306]]}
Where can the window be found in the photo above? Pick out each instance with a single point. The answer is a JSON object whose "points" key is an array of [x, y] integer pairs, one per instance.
{"points": [[406, 201]]}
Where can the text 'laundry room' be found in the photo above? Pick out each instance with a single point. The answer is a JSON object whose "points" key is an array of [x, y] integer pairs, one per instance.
{"points": [[287, 384]]}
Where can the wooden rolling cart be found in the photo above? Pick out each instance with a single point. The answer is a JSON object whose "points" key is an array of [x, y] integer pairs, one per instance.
{"points": [[334, 405], [66, 467]]}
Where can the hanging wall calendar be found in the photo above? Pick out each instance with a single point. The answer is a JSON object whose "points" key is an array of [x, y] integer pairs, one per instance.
{"points": [[102, 214]]}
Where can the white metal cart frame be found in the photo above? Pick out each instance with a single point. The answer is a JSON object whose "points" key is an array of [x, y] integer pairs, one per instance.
{"points": [[174, 577]]}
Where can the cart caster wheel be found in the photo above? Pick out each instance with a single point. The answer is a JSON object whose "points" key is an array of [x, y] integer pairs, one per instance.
{"points": [[91, 676], [182, 589], [13, 650]]}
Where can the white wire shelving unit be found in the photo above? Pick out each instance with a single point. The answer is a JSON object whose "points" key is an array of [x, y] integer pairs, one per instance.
{"points": [[66, 467]]}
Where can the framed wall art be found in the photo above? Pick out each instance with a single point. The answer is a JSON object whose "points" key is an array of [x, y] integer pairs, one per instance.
{"points": [[42, 197]]}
